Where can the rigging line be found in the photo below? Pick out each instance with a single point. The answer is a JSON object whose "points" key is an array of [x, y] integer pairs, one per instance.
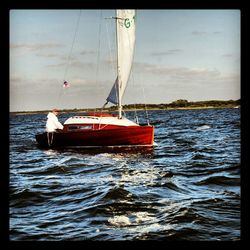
{"points": [[110, 51], [132, 71], [112, 61], [98, 53], [69, 58], [72, 45], [135, 109], [144, 102], [144, 99], [143, 91], [146, 110]]}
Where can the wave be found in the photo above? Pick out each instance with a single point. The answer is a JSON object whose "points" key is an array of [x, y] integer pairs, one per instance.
{"points": [[119, 221], [203, 127], [188, 188], [119, 193], [27, 197], [219, 180]]}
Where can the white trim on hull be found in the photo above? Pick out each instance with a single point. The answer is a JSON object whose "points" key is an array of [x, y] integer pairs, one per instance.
{"points": [[99, 120]]}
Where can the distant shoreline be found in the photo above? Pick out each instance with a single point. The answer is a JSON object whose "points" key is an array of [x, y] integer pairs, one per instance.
{"points": [[176, 105]]}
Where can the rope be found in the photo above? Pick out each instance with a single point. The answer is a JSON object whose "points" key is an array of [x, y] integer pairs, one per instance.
{"points": [[109, 44], [146, 110], [109, 34], [69, 57], [72, 45], [135, 110], [98, 54], [144, 97]]}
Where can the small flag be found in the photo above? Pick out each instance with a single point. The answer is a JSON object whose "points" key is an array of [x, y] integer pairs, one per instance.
{"points": [[66, 84]]}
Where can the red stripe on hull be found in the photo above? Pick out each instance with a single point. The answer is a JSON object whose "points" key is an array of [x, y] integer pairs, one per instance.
{"points": [[132, 135]]}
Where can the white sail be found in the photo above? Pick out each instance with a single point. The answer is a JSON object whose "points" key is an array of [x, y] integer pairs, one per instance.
{"points": [[125, 27]]}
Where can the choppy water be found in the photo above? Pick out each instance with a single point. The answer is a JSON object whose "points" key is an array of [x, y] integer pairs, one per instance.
{"points": [[187, 188]]}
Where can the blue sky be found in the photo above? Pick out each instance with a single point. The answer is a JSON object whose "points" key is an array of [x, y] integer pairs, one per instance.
{"points": [[179, 54]]}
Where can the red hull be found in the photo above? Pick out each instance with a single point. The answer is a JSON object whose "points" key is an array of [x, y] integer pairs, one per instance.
{"points": [[119, 136]]}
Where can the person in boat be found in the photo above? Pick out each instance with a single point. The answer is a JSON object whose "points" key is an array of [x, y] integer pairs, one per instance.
{"points": [[52, 123]]}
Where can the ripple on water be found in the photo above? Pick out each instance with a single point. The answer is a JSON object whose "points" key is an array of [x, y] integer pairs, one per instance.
{"points": [[186, 188]]}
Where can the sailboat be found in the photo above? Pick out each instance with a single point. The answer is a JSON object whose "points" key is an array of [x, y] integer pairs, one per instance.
{"points": [[104, 129]]}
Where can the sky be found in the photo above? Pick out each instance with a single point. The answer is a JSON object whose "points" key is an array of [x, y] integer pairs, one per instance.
{"points": [[179, 54]]}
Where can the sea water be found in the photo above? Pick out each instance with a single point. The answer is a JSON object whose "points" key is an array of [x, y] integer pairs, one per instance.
{"points": [[186, 188]]}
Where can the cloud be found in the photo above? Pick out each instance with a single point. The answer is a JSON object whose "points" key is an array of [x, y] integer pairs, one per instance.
{"points": [[34, 46], [73, 64], [199, 33], [79, 64], [202, 33], [227, 55], [168, 52], [186, 74], [78, 81], [189, 74], [16, 79], [217, 32], [87, 52], [111, 61], [21, 81], [57, 65], [49, 55], [230, 78]]}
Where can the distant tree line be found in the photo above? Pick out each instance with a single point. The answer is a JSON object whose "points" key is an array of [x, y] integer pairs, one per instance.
{"points": [[181, 103]]}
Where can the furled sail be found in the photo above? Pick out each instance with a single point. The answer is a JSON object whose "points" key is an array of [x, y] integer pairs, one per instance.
{"points": [[125, 31]]}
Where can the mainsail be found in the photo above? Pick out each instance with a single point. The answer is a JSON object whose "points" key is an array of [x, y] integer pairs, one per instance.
{"points": [[125, 32]]}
